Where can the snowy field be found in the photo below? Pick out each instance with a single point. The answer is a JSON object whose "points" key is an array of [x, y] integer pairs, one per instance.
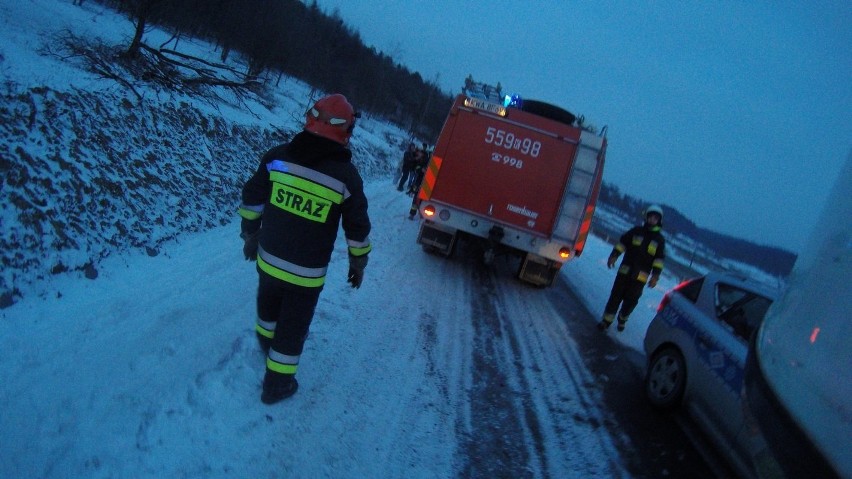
{"points": [[152, 369]]}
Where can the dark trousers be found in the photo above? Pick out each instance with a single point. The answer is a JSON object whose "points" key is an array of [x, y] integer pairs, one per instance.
{"points": [[291, 308], [626, 293], [403, 180], [416, 179]]}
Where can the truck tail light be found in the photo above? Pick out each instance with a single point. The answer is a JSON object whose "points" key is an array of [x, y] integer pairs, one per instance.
{"points": [[429, 211], [564, 252]]}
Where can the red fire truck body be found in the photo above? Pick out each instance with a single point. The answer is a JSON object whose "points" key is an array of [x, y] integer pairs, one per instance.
{"points": [[520, 180]]}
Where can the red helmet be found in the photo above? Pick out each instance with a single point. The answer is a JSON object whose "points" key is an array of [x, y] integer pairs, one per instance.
{"points": [[331, 117]]}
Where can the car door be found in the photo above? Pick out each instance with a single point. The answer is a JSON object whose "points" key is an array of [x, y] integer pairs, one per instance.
{"points": [[721, 355], [744, 317]]}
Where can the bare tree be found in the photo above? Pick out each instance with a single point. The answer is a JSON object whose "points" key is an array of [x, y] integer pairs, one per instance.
{"points": [[140, 9]]}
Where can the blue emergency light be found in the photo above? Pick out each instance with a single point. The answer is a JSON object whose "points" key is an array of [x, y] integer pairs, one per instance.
{"points": [[513, 101]]}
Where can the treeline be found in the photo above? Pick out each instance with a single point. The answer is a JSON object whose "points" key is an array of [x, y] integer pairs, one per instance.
{"points": [[773, 260], [292, 38]]}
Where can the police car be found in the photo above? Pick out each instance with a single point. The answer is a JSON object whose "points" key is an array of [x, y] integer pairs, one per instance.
{"points": [[696, 349]]}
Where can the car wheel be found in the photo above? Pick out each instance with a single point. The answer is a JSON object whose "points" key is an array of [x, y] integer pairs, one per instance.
{"points": [[666, 379]]}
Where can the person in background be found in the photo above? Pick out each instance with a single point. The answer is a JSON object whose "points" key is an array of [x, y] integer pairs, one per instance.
{"points": [[414, 191], [291, 211], [644, 249], [409, 161], [421, 161]]}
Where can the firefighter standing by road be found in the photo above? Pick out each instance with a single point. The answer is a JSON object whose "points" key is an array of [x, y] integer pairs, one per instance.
{"points": [[291, 209], [423, 164], [421, 160], [644, 249], [409, 161]]}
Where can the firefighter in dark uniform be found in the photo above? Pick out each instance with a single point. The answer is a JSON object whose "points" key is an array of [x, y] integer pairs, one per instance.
{"points": [[644, 251], [291, 210]]}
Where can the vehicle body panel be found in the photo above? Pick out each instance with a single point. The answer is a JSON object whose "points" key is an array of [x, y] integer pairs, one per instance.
{"points": [[511, 187], [715, 355], [513, 179], [798, 376]]}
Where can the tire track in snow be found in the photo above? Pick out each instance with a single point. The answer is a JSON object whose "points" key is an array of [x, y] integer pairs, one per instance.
{"points": [[573, 434], [559, 387], [495, 445], [534, 408]]}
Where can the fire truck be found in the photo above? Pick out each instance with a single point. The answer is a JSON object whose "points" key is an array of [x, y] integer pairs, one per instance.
{"points": [[519, 177]]}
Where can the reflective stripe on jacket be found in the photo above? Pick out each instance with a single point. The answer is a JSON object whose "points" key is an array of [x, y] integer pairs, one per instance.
{"points": [[300, 194], [644, 252]]}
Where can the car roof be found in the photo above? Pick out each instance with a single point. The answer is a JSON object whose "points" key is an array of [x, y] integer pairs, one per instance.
{"points": [[742, 281]]}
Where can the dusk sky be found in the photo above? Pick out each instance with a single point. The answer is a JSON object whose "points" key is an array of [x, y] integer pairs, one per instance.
{"points": [[737, 113]]}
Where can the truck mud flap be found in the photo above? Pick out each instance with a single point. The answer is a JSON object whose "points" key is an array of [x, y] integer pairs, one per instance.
{"points": [[436, 239], [538, 271]]}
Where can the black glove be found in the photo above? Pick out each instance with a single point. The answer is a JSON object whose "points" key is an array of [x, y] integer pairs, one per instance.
{"points": [[356, 270], [652, 282], [250, 245], [610, 262]]}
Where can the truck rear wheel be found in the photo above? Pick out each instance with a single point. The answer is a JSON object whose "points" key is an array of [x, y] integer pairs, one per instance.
{"points": [[488, 257], [439, 252], [537, 270]]}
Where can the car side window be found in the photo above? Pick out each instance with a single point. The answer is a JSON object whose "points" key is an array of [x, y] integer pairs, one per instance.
{"points": [[726, 297], [742, 310]]}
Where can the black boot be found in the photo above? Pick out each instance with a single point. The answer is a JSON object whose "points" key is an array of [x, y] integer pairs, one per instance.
{"points": [[622, 322], [606, 322], [277, 387]]}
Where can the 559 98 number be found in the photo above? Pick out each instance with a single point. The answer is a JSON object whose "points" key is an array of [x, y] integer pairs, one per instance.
{"points": [[509, 141]]}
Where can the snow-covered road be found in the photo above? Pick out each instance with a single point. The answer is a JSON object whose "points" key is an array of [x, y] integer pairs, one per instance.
{"points": [[434, 368]]}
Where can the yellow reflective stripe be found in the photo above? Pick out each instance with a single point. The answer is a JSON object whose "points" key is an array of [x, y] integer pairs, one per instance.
{"points": [[315, 176], [658, 263], [249, 214], [624, 269], [637, 240], [620, 248], [288, 276], [360, 251], [642, 276], [300, 203], [359, 248], [281, 368], [285, 265], [308, 186], [265, 328], [652, 248], [264, 332], [282, 363]]}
